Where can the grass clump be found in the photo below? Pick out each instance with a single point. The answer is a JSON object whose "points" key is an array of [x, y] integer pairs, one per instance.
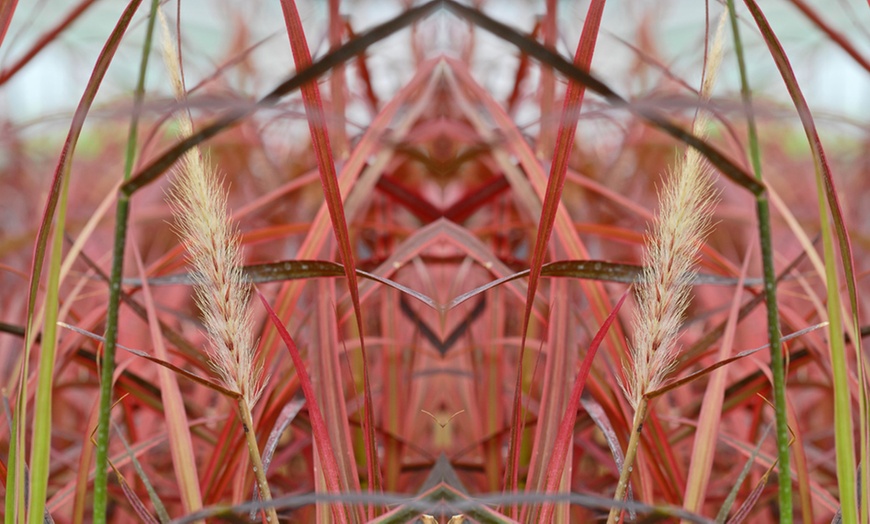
{"points": [[448, 213]]}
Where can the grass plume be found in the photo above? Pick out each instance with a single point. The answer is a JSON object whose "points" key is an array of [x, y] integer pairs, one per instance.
{"points": [[223, 294], [685, 209], [687, 202], [200, 206]]}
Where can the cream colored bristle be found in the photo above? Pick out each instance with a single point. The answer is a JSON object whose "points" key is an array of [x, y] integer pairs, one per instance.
{"points": [[222, 293], [686, 205]]}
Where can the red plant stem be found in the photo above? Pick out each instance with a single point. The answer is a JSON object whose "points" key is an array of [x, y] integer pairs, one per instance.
{"points": [[7, 10], [522, 72], [318, 426], [329, 179], [555, 184], [336, 81], [363, 72]]}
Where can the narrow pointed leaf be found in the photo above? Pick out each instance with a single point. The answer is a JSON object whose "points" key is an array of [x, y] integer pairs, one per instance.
{"points": [[178, 427], [724, 362], [704, 444], [566, 427], [552, 199], [168, 365], [60, 180], [134, 500], [332, 193], [159, 507], [321, 435]]}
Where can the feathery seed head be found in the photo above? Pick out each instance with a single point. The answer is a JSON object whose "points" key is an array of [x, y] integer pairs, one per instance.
{"points": [[199, 203], [686, 205]]}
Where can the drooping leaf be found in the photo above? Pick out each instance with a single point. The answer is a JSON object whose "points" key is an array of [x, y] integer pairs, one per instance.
{"points": [[724, 362], [168, 365]]}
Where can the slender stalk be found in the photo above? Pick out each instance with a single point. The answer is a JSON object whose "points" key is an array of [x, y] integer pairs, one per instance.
{"points": [[630, 454], [122, 213], [774, 333], [107, 369], [256, 459]]}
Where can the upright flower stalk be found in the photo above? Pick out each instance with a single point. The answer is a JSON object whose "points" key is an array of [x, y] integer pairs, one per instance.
{"points": [[686, 205], [199, 203]]}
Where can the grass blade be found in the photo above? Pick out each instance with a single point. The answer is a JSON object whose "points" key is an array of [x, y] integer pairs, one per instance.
{"points": [[566, 427], [829, 203], [7, 10], [703, 447], [42, 423], [59, 181], [724, 362], [555, 184], [134, 500], [321, 434], [159, 507], [332, 193], [326, 369], [178, 428]]}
